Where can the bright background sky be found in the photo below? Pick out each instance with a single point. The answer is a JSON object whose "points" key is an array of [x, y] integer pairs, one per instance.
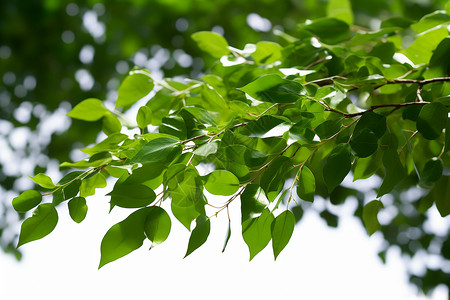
{"points": [[318, 263]]}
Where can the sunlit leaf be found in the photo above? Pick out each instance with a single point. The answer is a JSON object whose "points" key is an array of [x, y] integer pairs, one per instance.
{"points": [[199, 235], [282, 229], [39, 225], [43, 180], [135, 86], [27, 200], [257, 232], [306, 185], [88, 110], [77, 209], [221, 182], [432, 120], [157, 225], [369, 216], [212, 43]]}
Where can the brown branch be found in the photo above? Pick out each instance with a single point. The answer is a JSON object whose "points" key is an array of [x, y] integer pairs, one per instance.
{"points": [[372, 108]]}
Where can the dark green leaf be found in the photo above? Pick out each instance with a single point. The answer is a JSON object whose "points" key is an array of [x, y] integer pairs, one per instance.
{"points": [[221, 182], [441, 193], [72, 189], [174, 125], [253, 202], [266, 126], [328, 128], [40, 224], [329, 30], [364, 143], [282, 229], [306, 185], [78, 209], [88, 110], [432, 120], [432, 171], [257, 232], [26, 200], [157, 225], [123, 237], [212, 43], [370, 212], [411, 112], [372, 121], [199, 235], [158, 150], [394, 171], [273, 88], [58, 197], [131, 195], [135, 86], [337, 166], [274, 177], [227, 237]]}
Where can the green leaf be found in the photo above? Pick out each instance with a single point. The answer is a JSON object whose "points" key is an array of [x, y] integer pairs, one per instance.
{"points": [[273, 88], [328, 128], [144, 116], [447, 136], [266, 126], [337, 166], [111, 124], [227, 237], [329, 30], [123, 237], [26, 200], [78, 209], [186, 190], [441, 193], [40, 224], [58, 197], [212, 43], [306, 184], [157, 225], [274, 177], [341, 10], [257, 232], [394, 171], [158, 150], [367, 166], [175, 126], [135, 86], [421, 50], [199, 235], [131, 195], [282, 229], [432, 171], [43, 180], [267, 52], [372, 121], [253, 202], [88, 110], [221, 182], [206, 149], [364, 143], [369, 215], [149, 174], [72, 189], [431, 20], [88, 185], [432, 120], [111, 143], [440, 61]]}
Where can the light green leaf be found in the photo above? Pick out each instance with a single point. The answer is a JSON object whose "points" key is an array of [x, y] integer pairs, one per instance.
{"points": [[421, 50], [111, 124], [369, 215], [273, 88], [267, 52], [431, 20], [337, 166], [282, 229], [40, 224], [111, 143], [135, 86], [221, 182], [123, 237], [206, 149], [306, 185], [199, 235], [157, 225], [432, 120], [144, 116], [367, 166], [78, 209], [341, 10], [212, 43], [158, 150], [257, 232], [91, 183], [43, 180], [88, 110], [26, 200]]}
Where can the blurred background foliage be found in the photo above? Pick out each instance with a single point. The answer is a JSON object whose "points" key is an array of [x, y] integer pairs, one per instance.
{"points": [[53, 54]]}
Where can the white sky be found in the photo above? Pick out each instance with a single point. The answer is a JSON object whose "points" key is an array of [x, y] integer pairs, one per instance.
{"points": [[318, 263]]}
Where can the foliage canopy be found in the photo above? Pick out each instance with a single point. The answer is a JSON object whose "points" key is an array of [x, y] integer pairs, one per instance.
{"points": [[274, 126]]}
